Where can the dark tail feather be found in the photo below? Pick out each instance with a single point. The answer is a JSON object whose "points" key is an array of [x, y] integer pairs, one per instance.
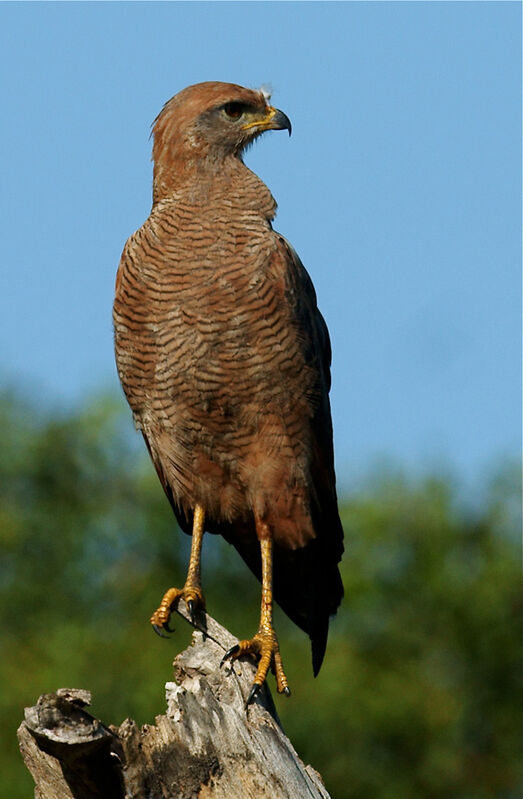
{"points": [[309, 591], [319, 645], [328, 594]]}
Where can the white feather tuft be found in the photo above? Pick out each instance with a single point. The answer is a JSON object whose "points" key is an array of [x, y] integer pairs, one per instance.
{"points": [[266, 90]]}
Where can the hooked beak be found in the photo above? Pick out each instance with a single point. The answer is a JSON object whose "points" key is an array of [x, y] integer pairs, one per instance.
{"points": [[273, 119]]}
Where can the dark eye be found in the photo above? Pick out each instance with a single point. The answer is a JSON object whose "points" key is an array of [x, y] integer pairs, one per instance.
{"points": [[234, 110]]}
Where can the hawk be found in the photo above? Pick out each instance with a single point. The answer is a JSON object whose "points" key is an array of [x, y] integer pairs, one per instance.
{"points": [[224, 359]]}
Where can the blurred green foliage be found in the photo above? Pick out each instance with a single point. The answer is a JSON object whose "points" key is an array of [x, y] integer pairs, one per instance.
{"points": [[418, 697]]}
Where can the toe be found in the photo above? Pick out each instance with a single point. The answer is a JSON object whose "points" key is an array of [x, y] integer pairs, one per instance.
{"points": [[281, 680], [252, 694], [158, 630], [231, 653]]}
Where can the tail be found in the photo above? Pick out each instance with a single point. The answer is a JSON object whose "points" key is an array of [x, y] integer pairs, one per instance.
{"points": [[309, 590]]}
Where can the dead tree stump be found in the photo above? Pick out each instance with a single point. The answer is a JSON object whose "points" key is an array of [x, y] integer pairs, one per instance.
{"points": [[207, 745]]}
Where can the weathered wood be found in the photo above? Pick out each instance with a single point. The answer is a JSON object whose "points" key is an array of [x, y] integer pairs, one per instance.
{"points": [[207, 745]]}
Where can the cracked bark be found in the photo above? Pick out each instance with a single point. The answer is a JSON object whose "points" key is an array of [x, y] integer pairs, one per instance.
{"points": [[207, 745]]}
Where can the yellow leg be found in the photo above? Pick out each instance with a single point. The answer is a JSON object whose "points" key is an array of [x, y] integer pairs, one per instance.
{"points": [[192, 590], [264, 645]]}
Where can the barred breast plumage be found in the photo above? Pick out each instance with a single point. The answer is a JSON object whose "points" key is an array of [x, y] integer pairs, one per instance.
{"points": [[224, 359]]}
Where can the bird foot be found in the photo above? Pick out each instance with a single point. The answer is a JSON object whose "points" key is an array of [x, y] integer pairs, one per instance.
{"points": [[193, 596], [264, 646]]}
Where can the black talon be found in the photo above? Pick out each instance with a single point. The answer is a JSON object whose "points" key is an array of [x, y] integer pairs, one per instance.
{"points": [[287, 691], [254, 692], [192, 609], [231, 651], [158, 631]]}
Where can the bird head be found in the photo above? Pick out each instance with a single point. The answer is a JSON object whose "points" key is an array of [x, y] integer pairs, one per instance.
{"points": [[206, 123]]}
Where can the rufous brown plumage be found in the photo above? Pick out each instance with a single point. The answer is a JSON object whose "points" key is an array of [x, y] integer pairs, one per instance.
{"points": [[225, 361]]}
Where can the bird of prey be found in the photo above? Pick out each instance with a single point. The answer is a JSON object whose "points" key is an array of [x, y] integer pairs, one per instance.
{"points": [[224, 358]]}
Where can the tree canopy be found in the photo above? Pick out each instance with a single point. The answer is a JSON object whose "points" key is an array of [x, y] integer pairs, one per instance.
{"points": [[418, 695]]}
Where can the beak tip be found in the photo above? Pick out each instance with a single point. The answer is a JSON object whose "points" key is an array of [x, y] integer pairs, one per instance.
{"points": [[281, 121]]}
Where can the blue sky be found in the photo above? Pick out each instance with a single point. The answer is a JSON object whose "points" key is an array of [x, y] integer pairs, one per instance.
{"points": [[400, 189]]}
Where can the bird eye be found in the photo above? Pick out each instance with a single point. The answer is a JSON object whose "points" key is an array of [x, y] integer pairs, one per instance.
{"points": [[234, 110]]}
